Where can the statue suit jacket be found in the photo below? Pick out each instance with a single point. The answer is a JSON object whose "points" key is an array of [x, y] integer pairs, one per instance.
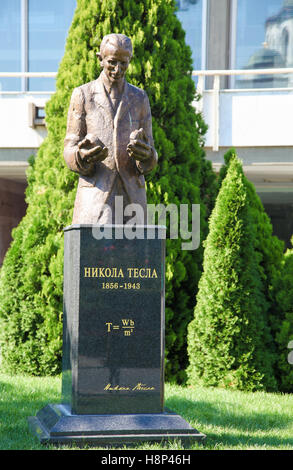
{"points": [[91, 114]]}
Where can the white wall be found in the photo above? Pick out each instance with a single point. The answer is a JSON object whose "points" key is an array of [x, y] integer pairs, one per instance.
{"points": [[247, 118], [250, 118], [257, 121], [14, 124]]}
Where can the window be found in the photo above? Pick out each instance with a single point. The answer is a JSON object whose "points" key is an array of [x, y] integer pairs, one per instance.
{"points": [[10, 43], [264, 39], [190, 13], [48, 24], [32, 38]]}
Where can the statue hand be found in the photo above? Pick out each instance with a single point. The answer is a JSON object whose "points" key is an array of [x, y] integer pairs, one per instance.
{"points": [[138, 147], [90, 152]]}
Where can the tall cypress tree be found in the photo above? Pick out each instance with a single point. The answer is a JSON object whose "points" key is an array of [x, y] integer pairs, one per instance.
{"points": [[229, 341], [269, 248], [283, 326], [31, 276]]}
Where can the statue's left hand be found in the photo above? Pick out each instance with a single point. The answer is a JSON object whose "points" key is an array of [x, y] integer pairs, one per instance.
{"points": [[138, 147]]}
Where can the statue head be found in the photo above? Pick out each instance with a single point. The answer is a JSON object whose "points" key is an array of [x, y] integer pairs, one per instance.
{"points": [[115, 55]]}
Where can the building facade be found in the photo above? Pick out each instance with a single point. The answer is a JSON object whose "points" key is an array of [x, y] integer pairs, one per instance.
{"points": [[243, 66]]}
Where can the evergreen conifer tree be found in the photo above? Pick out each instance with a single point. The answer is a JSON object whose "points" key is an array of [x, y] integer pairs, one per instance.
{"points": [[283, 333], [269, 248], [31, 276], [229, 341]]}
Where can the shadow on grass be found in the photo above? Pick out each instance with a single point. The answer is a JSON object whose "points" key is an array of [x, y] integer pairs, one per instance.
{"points": [[230, 426]]}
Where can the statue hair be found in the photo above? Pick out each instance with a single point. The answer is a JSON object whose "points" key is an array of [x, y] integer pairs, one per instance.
{"points": [[119, 40]]}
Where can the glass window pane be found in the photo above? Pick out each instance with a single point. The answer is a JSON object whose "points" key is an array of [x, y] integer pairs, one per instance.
{"points": [[264, 40], [190, 14], [10, 48], [48, 24]]}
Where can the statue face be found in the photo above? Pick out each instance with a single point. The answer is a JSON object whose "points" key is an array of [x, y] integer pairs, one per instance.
{"points": [[115, 62]]}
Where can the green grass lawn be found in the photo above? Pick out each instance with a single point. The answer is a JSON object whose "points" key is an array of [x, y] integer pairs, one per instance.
{"points": [[230, 420]]}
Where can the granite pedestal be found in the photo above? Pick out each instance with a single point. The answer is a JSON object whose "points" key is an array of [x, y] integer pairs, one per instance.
{"points": [[113, 342]]}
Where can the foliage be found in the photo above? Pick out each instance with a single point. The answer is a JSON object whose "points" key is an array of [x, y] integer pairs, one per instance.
{"points": [[271, 259], [269, 248], [283, 289], [229, 341], [31, 277]]}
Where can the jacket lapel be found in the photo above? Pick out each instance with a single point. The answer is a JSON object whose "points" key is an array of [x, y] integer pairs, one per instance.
{"points": [[124, 104], [101, 98]]}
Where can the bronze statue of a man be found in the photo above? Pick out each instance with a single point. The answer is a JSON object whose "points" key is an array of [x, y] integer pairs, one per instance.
{"points": [[109, 140]]}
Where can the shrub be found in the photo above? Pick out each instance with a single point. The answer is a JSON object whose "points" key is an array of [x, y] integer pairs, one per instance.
{"points": [[283, 289], [229, 341]]}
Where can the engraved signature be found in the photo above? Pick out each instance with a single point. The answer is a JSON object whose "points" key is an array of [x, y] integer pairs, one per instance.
{"points": [[139, 386]]}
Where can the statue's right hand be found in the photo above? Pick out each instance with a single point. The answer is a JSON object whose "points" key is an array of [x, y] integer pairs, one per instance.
{"points": [[91, 153], [96, 154]]}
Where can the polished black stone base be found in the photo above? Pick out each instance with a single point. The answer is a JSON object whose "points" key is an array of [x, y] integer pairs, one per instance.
{"points": [[54, 424]]}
